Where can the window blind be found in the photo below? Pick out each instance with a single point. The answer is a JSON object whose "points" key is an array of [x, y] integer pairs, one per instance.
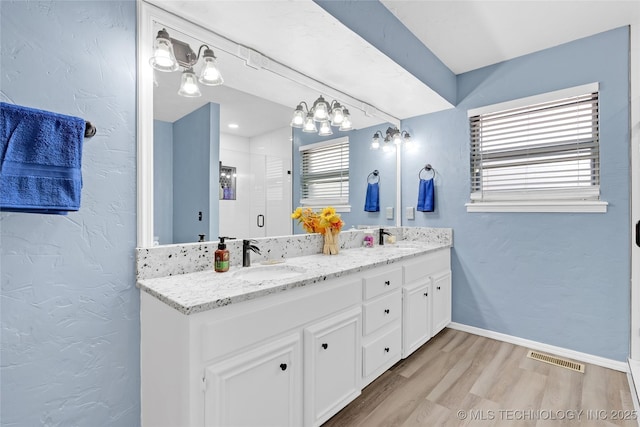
{"points": [[325, 173], [537, 151]]}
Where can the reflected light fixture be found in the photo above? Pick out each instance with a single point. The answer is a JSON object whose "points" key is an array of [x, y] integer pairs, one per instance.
{"points": [[325, 114], [393, 137], [170, 54]]}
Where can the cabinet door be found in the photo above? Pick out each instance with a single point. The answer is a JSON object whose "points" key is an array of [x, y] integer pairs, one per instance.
{"points": [[441, 286], [261, 387], [332, 365], [416, 317]]}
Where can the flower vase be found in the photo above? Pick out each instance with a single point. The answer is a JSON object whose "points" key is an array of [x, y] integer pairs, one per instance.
{"points": [[330, 243]]}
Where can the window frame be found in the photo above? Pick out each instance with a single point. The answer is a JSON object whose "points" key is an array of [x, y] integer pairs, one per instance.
{"points": [[586, 199], [341, 204]]}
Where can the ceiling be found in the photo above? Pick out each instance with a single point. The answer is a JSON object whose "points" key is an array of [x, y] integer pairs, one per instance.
{"points": [[464, 35], [467, 35]]}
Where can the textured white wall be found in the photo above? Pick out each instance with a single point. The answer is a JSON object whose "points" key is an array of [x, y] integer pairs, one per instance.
{"points": [[69, 306]]}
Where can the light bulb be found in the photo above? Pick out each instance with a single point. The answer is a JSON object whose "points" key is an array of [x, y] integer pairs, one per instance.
{"points": [[325, 128], [375, 143], [189, 86], [346, 121], [320, 110], [210, 74], [309, 125], [163, 58], [298, 117], [337, 115]]}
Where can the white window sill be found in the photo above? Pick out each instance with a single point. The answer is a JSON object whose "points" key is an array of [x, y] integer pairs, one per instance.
{"points": [[576, 206], [338, 208]]}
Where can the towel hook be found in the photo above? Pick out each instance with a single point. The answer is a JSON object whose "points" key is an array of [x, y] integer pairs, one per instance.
{"points": [[376, 175], [427, 168]]}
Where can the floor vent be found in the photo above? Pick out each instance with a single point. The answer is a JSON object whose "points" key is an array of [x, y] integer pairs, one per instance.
{"points": [[557, 361]]}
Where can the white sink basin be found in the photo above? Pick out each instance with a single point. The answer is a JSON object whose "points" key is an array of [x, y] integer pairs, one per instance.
{"points": [[268, 272]]}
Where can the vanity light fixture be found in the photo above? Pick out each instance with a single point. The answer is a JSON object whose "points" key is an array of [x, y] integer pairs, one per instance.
{"points": [[170, 54], [324, 113], [393, 137]]}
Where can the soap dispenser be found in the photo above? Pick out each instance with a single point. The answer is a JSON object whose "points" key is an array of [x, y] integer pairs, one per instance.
{"points": [[221, 257]]}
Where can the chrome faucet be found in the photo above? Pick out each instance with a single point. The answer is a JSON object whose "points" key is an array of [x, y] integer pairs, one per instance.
{"points": [[382, 234], [247, 247]]}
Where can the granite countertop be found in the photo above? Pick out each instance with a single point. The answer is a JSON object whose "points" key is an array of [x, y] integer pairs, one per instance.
{"points": [[196, 292]]}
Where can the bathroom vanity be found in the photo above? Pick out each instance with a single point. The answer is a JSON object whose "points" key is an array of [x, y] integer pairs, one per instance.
{"points": [[288, 344]]}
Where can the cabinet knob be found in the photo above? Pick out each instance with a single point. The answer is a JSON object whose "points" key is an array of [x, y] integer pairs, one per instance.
{"points": [[438, 288], [386, 349], [426, 294], [387, 282], [386, 310], [325, 345], [283, 366]]}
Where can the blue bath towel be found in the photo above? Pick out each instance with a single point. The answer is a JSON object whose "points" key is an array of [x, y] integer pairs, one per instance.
{"points": [[372, 199], [40, 160], [425, 195]]}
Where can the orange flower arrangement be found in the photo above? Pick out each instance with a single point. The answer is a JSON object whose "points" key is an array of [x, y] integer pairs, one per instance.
{"points": [[327, 222]]}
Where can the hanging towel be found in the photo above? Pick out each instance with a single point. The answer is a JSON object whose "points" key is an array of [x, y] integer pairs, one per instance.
{"points": [[372, 199], [40, 160], [425, 195]]}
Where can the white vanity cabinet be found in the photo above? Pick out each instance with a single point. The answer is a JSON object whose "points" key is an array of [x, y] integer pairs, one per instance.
{"points": [[426, 299], [288, 358]]}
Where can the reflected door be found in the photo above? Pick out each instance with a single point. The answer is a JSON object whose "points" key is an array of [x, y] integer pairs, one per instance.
{"points": [[270, 196]]}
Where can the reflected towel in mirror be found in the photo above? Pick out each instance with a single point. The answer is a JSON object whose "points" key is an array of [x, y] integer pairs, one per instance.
{"points": [[372, 199]]}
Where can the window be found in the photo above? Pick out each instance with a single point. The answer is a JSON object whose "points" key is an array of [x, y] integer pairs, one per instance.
{"points": [[325, 174], [539, 156]]}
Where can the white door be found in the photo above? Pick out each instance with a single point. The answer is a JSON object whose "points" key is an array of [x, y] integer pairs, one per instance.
{"points": [[261, 387], [416, 317], [270, 196], [332, 365], [441, 309]]}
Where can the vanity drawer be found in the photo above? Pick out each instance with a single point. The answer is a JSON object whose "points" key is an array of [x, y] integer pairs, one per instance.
{"points": [[382, 311], [384, 281], [427, 265], [382, 352]]}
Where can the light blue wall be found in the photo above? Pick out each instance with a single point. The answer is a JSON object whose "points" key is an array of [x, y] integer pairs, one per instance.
{"points": [[196, 139], [561, 279], [372, 21], [163, 181], [69, 306], [362, 161]]}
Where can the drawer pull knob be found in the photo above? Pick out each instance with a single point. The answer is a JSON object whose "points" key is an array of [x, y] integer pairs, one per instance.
{"points": [[325, 345], [387, 282], [426, 294], [386, 311], [438, 288], [386, 349], [283, 366]]}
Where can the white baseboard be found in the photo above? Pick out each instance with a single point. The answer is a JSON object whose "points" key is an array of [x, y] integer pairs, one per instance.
{"points": [[534, 345]]}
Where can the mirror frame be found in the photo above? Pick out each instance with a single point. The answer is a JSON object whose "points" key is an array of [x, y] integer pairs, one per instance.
{"points": [[148, 15]]}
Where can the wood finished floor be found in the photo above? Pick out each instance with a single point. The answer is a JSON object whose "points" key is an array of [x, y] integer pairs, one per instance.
{"points": [[493, 383]]}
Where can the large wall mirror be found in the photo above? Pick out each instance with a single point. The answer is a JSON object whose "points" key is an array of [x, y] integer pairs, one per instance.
{"points": [[188, 146]]}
